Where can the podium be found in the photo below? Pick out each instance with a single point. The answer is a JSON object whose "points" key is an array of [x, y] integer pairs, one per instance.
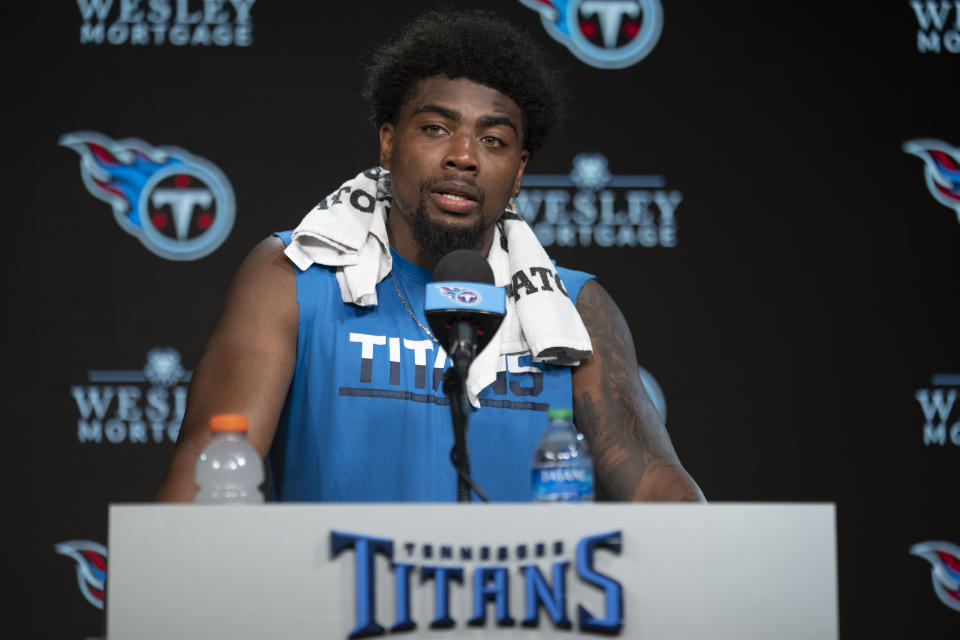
{"points": [[511, 571]]}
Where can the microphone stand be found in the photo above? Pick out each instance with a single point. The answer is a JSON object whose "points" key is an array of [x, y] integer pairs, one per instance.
{"points": [[454, 383], [453, 388]]}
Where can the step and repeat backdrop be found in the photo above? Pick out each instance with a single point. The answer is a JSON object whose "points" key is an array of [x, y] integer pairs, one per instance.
{"points": [[770, 191]]}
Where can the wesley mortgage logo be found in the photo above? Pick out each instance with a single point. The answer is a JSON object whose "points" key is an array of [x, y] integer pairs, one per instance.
{"points": [[590, 206], [137, 406], [221, 23], [941, 411], [938, 25]]}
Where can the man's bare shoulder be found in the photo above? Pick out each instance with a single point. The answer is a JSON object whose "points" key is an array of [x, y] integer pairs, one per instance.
{"points": [[263, 288], [602, 317], [268, 260]]}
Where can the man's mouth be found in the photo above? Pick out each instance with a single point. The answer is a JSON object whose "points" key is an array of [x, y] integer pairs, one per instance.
{"points": [[455, 197]]}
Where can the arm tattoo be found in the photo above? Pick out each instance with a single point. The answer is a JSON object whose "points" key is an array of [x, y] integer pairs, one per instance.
{"points": [[623, 427]]}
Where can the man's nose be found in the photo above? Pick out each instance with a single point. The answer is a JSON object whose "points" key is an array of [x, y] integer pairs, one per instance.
{"points": [[461, 154]]}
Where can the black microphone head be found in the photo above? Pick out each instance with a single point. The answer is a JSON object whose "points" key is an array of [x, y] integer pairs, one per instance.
{"points": [[463, 265], [449, 325]]}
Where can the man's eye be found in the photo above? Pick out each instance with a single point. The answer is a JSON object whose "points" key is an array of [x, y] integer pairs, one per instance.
{"points": [[432, 128], [492, 141]]}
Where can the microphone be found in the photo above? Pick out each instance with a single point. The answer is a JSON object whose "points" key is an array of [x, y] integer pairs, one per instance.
{"points": [[463, 307]]}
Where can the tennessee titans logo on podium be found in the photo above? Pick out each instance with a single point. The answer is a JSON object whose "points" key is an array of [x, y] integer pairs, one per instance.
{"points": [[463, 296], [941, 170], [180, 206], [607, 34], [945, 560], [91, 558]]}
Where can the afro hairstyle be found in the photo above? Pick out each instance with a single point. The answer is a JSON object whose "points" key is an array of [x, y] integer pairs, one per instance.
{"points": [[475, 45]]}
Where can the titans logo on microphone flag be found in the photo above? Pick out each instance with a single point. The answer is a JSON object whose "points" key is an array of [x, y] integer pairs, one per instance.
{"points": [[461, 295], [944, 558], [603, 33], [941, 170], [180, 206], [91, 559]]}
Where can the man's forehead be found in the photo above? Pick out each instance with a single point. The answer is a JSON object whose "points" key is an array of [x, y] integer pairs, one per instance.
{"points": [[459, 94]]}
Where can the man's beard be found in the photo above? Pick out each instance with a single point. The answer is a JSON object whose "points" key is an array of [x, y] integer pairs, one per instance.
{"points": [[437, 239]]}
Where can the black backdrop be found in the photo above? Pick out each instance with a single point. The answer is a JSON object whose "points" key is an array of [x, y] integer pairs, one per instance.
{"points": [[811, 295]]}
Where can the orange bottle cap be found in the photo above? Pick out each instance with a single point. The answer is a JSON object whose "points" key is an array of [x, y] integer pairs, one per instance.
{"points": [[228, 422]]}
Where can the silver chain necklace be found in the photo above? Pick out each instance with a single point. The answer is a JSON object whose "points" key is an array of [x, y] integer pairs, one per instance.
{"points": [[407, 307]]}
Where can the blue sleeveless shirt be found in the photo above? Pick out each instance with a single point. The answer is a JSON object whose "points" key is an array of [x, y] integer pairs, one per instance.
{"points": [[366, 419]]}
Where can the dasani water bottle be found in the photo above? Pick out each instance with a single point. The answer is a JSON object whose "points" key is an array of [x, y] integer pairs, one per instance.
{"points": [[562, 466]]}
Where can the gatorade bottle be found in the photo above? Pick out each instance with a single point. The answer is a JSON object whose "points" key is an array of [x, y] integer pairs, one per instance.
{"points": [[229, 471], [562, 466]]}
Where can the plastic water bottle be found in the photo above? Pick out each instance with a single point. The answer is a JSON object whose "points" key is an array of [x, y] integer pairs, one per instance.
{"points": [[562, 465], [229, 471]]}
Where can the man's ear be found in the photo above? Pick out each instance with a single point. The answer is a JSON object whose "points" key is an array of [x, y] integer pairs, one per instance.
{"points": [[524, 156], [386, 144]]}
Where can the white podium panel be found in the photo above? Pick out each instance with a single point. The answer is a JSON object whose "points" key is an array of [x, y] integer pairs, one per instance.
{"points": [[657, 572]]}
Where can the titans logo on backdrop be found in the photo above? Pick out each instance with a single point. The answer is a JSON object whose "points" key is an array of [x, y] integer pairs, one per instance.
{"points": [[607, 34], [944, 559], [180, 206], [91, 565], [366, 418], [941, 170]]}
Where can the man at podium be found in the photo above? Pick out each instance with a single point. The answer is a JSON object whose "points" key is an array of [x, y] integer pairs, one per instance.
{"points": [[323, 343]]}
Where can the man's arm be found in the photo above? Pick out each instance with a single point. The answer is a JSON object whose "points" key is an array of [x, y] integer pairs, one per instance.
{"points": [[247, 366], [633, 456]]}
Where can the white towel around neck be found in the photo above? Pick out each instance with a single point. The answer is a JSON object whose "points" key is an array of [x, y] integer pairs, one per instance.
{"points": [[348, 230]]}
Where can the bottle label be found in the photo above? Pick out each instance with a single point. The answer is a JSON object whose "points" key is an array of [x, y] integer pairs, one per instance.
{"points": [[563, 483]]}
